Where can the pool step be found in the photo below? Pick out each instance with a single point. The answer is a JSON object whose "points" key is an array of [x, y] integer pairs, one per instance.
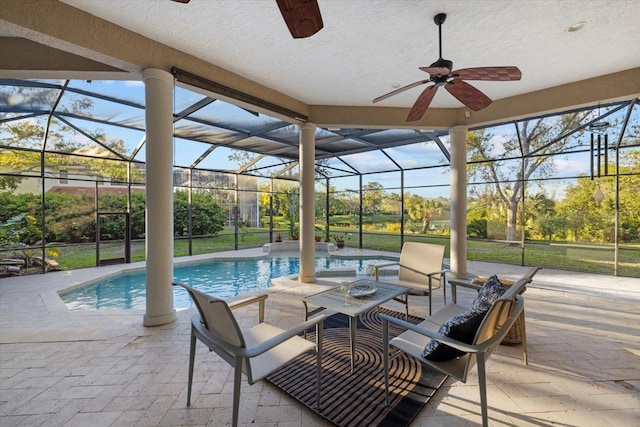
{"points": [[294, 245]]}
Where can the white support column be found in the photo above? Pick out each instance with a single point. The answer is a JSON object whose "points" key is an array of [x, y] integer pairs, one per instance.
{"points": [[307, 203], [458, 224], [159, 201]]}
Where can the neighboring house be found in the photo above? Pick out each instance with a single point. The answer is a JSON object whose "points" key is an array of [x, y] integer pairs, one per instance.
{"points": [[222, 185], [70, 189], [79, 178]]}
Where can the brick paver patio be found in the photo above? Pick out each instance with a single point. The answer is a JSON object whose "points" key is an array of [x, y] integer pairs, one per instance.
{"points": [[64, 368]]}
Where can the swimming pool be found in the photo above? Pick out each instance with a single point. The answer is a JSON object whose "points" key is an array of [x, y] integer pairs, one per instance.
{"points": [[224, 278]]}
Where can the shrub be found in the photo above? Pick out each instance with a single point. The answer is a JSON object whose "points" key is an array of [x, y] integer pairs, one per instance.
{"points": [[477, 228]]}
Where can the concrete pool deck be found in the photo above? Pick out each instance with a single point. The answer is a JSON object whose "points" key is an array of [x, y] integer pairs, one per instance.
{"points": [[103, 368], [48, 313]]}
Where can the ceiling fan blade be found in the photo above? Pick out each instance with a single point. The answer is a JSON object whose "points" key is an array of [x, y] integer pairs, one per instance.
{"points": [[181, 1], [468, 95], [402, 89], [422, 103], [436, 71], [301, 16], [489, 73]]}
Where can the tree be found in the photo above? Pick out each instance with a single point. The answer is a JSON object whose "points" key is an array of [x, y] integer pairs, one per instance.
{"points": [[591, 221], [343, 202], [207, 216], [422, 209], [241, 157], [372, 194], [19, 229], [293, 209], [70, 218], [284, 201], [335, 204], [22, 236], [539, 214], [534, 146], [63, 149], [586, 218], [630, 196], [391, 203], [137, 215]]}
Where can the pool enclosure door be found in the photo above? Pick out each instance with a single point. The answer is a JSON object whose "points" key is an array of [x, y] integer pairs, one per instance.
{"points": [[111, 247]]}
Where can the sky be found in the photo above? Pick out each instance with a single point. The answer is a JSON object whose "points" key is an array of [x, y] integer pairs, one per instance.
{"points": [[428, 156]]}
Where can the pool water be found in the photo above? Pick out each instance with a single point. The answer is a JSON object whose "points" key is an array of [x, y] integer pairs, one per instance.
{"points": [[221, 278]]}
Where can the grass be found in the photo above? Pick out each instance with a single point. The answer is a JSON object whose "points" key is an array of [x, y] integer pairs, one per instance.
{"points": [[592, 259]]}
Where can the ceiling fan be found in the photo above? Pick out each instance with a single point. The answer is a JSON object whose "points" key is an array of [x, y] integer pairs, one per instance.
{"points": [[440, 74], [301, 16]]}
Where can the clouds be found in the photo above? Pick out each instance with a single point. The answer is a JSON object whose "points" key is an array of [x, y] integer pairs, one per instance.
{"points": [[575, 165]]}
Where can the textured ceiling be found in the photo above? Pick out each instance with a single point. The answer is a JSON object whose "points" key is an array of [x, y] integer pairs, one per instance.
{"points": [[366, 48], [369, 47]]}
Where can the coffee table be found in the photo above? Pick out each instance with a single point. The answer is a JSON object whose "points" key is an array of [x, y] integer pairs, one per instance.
{"points": [[333, 299]]}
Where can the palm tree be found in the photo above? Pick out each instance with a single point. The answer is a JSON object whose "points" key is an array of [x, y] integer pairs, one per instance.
{"points": [[423, 209]]}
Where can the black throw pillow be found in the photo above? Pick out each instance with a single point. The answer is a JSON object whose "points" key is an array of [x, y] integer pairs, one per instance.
{"points": [[462, 327]]}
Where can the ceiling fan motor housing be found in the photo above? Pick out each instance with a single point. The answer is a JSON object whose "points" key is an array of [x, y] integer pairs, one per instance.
{"points": [[442, 63]]}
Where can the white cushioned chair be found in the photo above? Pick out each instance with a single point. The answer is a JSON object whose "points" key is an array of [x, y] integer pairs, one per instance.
{"points": [[501, 316], [419, 268], [257, 351]]}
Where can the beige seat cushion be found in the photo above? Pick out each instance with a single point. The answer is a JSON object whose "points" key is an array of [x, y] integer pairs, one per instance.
{"points": [[267, 362]]}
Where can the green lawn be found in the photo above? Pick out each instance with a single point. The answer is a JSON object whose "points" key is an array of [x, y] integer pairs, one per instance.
{"points": [[593, 259]]}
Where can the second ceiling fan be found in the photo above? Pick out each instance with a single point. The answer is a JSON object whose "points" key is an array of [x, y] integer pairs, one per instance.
{"points": [[440, 74]]}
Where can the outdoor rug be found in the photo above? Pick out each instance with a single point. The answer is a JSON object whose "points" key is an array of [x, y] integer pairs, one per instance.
{"points": [[357, 399]]}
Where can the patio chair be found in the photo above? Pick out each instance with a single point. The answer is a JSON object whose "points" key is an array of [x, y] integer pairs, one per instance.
{"points": [[519, 330], [494, 326], [257, 351], [420, 268]]}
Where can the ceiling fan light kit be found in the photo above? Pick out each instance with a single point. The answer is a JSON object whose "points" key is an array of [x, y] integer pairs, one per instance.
{"points": [[441, 75]]}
